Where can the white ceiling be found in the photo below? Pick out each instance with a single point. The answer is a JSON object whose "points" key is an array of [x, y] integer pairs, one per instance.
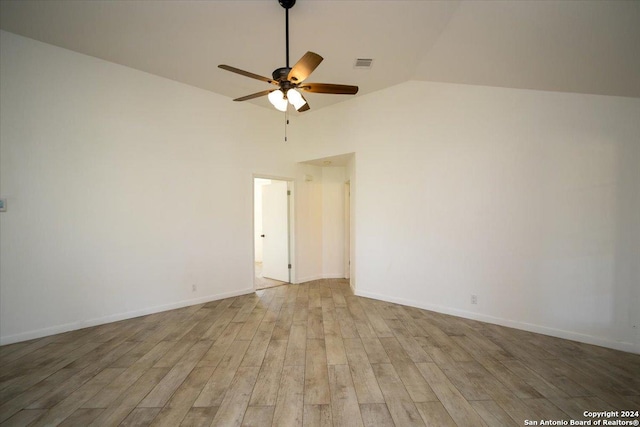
{"points": [[573, 46]]}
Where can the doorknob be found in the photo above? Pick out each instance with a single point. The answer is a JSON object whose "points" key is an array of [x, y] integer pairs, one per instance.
{"points": [[262, 235]]}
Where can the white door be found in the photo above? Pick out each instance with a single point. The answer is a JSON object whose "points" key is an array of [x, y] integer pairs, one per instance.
{"points": [[275, 246]]}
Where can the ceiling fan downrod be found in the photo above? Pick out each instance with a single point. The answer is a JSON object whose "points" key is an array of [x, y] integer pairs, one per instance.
{"points": [[287, 4]]}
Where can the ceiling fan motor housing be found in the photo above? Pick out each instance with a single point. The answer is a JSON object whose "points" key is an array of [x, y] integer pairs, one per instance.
{"points": [[281, 74]]}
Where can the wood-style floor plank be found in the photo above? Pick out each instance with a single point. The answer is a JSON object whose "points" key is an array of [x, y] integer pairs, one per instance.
{"points": [[402, 409], [376, 415], [199, 417], [308, 355], [258, 346], [458, 407], [344, 402], [493, 414], [76, 381], [19, 385], [375, 351], [265, 390], [317, 416], [316, 379], [24, 417], [182, 400], [364, 380], [234, 405], [134, 372], [258, 416], [68, 406], [140, 417], [81, 417], [297, 345], [119, 409], [434, 414], [12, 406], [414, 383], [214, 390], [161, 394], [290, 401]]}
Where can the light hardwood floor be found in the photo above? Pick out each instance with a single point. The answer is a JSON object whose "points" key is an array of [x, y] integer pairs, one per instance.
{"points": [[309, 354]]}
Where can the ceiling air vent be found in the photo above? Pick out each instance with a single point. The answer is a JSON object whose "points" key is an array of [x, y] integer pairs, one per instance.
{"points": [[363, 63]]}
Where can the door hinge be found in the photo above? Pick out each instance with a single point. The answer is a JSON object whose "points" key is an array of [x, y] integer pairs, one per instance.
{"points": [[289, 265], [288, 192]]}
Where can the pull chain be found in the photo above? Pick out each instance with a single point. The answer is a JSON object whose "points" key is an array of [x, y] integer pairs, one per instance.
{"points": [[286, 124]]}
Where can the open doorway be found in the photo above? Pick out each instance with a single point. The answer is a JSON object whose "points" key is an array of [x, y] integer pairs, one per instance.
{"points": [[333, 209], [271, 232]]}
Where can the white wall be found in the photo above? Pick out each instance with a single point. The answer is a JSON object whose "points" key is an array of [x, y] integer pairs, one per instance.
{"points": [[308, 226], [124, 190], [333, 179], [529, 200]]}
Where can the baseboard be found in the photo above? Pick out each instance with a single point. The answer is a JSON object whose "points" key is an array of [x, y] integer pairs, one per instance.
{"points": [[530, 327], [333, 276], [318, 277], [52, 330]]}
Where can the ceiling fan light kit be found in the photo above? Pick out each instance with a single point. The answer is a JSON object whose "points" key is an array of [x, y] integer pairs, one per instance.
{"points": [[296, 99], [278, 100], [290, 80]]}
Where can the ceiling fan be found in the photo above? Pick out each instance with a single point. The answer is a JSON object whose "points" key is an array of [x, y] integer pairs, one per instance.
{"points": [[291, 81]]}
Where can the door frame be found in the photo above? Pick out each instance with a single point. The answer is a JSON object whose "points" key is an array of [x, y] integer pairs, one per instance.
{"points": [[290, 220], [347, 230]]}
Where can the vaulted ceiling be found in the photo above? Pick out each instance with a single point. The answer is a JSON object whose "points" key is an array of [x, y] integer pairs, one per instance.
{"points": [[588, 47]]}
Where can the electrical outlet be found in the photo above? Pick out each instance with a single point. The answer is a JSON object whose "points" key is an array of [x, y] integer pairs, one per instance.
{"points": [[194, 288], [474, 299]]}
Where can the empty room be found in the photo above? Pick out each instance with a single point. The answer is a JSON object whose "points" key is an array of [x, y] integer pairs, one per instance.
{"points": [[319, 213]]}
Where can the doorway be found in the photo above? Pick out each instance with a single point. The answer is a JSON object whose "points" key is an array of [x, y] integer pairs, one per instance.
{"points": [[272, 254]]}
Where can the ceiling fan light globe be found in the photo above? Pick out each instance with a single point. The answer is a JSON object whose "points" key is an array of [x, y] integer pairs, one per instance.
{"points": [[295, 98], [278, 100], [282, 106]]}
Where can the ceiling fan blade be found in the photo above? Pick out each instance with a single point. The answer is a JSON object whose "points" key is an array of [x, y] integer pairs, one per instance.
{"points": [[255, 95], [247, 74], [305, 107], [329, 88], [304, 67]]}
